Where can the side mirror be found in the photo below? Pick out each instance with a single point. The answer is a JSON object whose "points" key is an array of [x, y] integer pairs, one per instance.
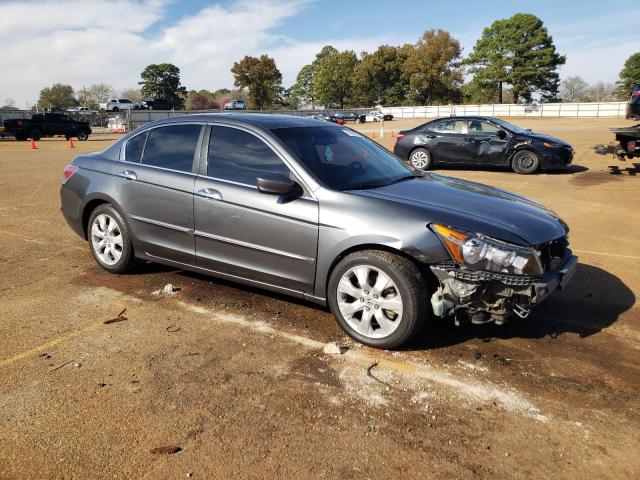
{"points": [[501, 134], [276, 184]]}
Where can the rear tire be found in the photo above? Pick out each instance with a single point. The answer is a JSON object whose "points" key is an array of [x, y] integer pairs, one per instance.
{"points": [[364, 283], [525, 162], [110, 239], [82, 136], [421, 159], [115, 109]]}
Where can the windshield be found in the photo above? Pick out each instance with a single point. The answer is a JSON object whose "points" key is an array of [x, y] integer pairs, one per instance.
{"points": [[343, 159], [509, 126]]}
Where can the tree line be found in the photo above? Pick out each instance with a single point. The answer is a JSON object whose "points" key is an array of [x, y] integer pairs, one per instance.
{"points": [[514, 60]]}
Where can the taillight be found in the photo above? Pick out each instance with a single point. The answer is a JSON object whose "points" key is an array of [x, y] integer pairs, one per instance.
{"points": [[68, 172], [19, 122], [636, 93], [400, 137]]}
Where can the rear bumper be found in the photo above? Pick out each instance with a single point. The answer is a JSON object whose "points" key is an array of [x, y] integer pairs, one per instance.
{"points": [[401, 151]]}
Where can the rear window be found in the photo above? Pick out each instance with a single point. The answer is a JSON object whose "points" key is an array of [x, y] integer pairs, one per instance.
{"points": [[134, 148], [172, 147]]}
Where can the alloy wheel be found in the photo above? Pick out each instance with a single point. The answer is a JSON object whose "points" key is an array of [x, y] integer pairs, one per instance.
{"points": [[106, 239], [420, 159], [369, 301]]}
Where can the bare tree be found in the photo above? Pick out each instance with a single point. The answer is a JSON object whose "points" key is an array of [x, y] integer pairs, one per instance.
{"points": [[573, 89], [602, 92]]}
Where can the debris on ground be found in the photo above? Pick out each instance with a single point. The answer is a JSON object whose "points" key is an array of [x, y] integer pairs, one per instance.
{"points": [[499, 359], [118, 318], [172, 328], [168, 289], [165, 450], [332, 348], [60, 366], [77, 365]]}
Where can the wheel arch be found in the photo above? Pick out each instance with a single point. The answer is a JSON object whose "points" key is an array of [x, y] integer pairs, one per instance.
{"points": [[426, 272], [94, 203]]}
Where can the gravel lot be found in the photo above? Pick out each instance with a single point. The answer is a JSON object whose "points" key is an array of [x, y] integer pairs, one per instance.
{"points": [[234, 380]]}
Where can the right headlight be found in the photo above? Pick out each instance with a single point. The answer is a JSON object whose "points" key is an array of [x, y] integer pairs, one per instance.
{"points": [[479, 252]]}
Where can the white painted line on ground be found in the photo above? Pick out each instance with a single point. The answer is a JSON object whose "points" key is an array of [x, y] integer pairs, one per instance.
{"points": [[510, 400], [633, 257]]}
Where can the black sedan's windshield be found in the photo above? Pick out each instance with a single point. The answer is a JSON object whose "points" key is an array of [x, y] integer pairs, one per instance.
{"points": [[510, 126], [343, 159]]}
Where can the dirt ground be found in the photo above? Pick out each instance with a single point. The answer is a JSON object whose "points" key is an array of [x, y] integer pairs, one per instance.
{"points": [[234, 380]]}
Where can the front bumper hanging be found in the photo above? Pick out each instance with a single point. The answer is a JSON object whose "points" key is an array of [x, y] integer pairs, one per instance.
{"points": [[483, 296]]}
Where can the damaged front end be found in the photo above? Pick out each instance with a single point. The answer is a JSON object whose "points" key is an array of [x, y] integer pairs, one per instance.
{"points": [[488, 280]]}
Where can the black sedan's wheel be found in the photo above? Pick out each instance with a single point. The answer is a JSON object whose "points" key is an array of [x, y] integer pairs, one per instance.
{"points": [[109, 239], [525, 162], [82, 136], [378, 298], [420, 158]]}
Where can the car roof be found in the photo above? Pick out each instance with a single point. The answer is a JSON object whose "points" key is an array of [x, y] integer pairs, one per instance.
{"points": [[266, 121], [464, 117]]}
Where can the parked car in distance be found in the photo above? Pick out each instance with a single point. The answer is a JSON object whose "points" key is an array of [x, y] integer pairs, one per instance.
{"points": [[235, 105], [348, 117], [326, 118], [156, 104], [320, 212], [118, 104], [47, 125], [481, 142], [377, 115], [633, 106], [79, 110]]}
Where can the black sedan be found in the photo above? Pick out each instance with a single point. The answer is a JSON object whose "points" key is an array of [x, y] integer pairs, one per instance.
{"points": [[481, 141]]}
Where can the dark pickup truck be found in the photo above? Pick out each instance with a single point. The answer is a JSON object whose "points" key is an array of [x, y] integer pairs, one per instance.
{"points": [[47, 125]]}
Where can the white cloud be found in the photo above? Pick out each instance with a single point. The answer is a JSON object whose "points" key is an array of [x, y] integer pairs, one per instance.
{"points": [[81, 43], [107, 42]]}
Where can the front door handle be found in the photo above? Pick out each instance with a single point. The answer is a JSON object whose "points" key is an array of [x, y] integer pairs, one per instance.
{"points": [[211, 193], [128, 174]]}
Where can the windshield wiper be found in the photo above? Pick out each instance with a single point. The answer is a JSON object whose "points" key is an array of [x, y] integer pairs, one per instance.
{"points": [[402, 179], [363, 186]]}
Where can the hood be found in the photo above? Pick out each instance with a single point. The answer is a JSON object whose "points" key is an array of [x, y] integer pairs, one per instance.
{"points": [[544, 138], [478, 205]]}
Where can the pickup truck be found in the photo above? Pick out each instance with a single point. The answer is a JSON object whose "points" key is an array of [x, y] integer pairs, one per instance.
{"points": [[118, 104], [47, 125]]}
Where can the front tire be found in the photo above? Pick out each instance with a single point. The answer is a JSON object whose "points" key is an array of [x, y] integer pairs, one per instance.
{"points": [[378, 298], [82, 136], [115, 109], [525, 162], [110, 239], [36, 135], [421, 159]]}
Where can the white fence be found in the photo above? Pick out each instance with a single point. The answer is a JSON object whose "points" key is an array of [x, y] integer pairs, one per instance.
{"points": [[602, 109]]}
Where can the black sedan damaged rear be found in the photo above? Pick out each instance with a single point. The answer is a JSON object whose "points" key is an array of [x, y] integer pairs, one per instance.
{"points": [[481, 142]]}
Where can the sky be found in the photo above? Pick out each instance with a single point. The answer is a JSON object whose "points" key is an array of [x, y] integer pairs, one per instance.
{"points": [[82, 42]]}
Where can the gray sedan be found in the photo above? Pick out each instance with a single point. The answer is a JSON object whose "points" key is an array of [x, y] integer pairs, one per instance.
{"points": [[320, 212]]}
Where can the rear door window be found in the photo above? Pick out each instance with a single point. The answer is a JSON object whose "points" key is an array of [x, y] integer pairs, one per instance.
{"points": [[478, 127], [241, 157], [172, 147], [134, 148]]}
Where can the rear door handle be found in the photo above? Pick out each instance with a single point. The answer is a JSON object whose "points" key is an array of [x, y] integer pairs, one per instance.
{"points": [[128, 174], [211, 193]]}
